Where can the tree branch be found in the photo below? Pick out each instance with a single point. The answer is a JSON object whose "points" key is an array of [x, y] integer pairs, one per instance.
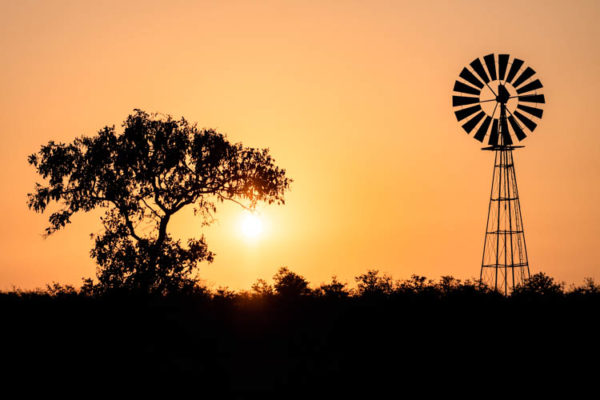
{"points": [[235, 201], [151, 209], [130, 227], [156, 200]]}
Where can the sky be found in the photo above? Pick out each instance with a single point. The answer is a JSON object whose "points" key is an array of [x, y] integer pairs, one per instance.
{"points": [[352, 98]]}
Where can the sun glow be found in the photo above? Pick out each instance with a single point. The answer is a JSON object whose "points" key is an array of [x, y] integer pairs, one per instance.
{"points": [[251, 225]]}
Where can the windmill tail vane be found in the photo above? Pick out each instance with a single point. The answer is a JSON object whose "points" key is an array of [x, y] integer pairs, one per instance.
{"points": [[499, 100]]}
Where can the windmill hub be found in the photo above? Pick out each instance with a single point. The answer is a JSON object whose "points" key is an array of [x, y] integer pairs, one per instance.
{"points": [[503, 94]]}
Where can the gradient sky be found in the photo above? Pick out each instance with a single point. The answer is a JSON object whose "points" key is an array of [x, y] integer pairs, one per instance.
{"points": [[354, 100]]}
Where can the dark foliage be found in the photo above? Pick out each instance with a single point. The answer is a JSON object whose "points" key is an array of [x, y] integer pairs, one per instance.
{"points": [[288, 341], [289, 284], [540, 286], [333, 290], [371, 284], [142, 177]]}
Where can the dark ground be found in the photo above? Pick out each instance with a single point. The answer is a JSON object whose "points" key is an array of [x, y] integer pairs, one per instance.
{"points": [[271, 346]]}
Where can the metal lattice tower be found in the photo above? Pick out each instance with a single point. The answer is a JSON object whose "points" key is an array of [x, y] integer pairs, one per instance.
{"points": [[494, 101], [504, 263]]}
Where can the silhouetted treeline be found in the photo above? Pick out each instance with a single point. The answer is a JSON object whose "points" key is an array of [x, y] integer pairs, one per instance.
{"points": [[286, 339]]}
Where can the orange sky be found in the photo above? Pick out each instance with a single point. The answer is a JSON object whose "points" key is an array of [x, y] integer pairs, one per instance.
{"points": [[353, 98]]}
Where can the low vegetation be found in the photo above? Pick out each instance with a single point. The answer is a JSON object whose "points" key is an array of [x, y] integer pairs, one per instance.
{"points": [[371, 286], [289, 339]]}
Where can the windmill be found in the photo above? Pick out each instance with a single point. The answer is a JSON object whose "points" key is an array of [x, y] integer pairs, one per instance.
{"points": [[498, 104]]}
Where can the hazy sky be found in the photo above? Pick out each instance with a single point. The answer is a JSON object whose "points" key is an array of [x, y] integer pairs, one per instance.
{"points": [[354, 100]]}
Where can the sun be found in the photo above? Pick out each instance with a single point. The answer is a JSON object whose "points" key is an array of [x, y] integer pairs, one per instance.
{"points": [[251, 225]]}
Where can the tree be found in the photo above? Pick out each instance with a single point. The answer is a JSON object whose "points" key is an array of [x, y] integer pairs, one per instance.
{"points": [[334, 289], [589, 288], [372, 284], [262, 289], [289, 284], [142, 177], [539, 285], [416, 284]]}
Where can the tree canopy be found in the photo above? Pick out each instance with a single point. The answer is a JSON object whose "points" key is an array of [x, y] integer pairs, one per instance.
{"points": [[142, 177]]}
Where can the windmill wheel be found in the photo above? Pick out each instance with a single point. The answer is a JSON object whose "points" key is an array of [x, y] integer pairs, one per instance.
{"points": [[501, 86]]}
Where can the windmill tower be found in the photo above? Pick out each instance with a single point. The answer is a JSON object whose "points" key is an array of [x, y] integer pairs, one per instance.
{"points": [[499, 103]]}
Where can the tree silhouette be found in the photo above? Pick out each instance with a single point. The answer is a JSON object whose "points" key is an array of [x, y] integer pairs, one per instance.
{"points": [[142, 177], [539, 285], [289, 284], [262, 289], [589, 287], [416, 284], [334, 289], [372, 284]]}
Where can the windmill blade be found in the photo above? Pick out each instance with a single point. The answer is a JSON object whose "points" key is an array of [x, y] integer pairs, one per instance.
{"points": [[461, 87], [469, 77], [478, 68], [518, 131], [464, 100], [465, 112], [533, 98], [502, 64], [514, 68], [537, 112], [473, 121], [526, 121], [506, 139], [490, 62], [531, 86], [483, 129], [528, 73], [494, 134]]}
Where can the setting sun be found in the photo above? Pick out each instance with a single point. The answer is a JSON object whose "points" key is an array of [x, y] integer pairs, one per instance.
{"points": [[251, 225]]}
